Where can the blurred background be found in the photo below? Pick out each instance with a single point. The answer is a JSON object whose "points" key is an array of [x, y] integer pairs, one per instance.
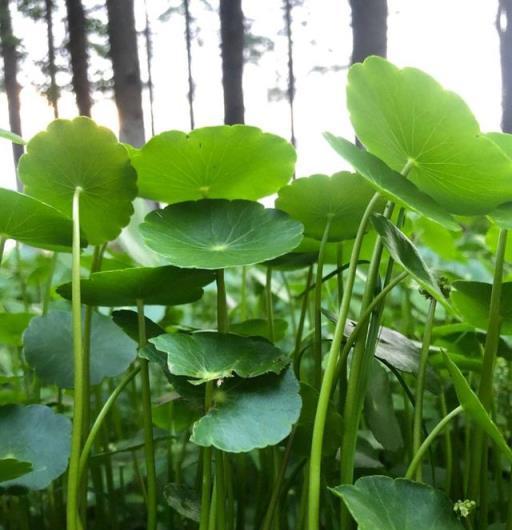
{"points": [[141, 67]]}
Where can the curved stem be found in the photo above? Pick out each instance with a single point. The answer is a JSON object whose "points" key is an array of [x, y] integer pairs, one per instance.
{"points": [[330, 373], [420, 453], [72, 515], [420, 383], [149, 449]]}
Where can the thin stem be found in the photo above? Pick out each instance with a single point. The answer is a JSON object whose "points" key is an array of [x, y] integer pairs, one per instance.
{"points": [[3, 240], [206, 483], [330, 373], [100, 418], [302, 320], [149, 449], [269, 303], [222, 304], [420, 453], [72, 515], [420, 383], [318, 306], [489, 361], [448, 449], [48, 286]]}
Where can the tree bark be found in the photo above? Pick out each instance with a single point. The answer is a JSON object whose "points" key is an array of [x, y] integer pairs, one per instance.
{"points": [[369, 28], [188, 41], [53, 90], [232, 51], [504, 27], [291, 73], [79, 56], [10, 59], [125, 63]]}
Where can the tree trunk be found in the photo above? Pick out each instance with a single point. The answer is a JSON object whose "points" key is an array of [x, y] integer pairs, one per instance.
{"points": [[188, 40], [10, 59], [125, 63], [291, 73], [79, 57], [369, 28], [53, 90], [504, 27], [232, 50]]}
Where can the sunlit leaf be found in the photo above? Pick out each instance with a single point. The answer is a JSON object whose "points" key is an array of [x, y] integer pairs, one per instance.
{"points": [[12, 326]]}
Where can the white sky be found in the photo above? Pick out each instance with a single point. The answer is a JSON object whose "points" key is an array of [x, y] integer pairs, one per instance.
{"points": [[453, 40]]}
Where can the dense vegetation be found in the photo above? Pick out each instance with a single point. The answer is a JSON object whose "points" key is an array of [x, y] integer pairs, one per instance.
{"points": [[340, 359]]}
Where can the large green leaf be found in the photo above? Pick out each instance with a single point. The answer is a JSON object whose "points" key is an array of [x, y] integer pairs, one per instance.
{"points": [[208, 356], [473, 407], [406, 118], [30, 221], [223, 162], [473, 300], [216, 233], [155, 286], [11, 468], [79, 153], [12, 326], [339, 200], [381, 503], [37, 435], [390, 183], [250, 414], [48, 347]]}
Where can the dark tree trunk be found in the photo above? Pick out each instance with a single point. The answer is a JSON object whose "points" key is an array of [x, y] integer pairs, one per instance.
{"points": [[12, 89], [232, 49], [125, 63], [504, 27], [188, 40], [53, 90], [369, 28], [149, 66], [79, 56], [291, 73]]}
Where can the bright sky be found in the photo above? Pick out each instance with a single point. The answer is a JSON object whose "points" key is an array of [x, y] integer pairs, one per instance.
{"points": [[453, 40]]}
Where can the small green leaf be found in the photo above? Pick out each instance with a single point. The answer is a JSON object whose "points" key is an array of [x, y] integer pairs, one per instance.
{"points": [[208, 356], [79, 153], [48, 347], [37, 435], [474, 408], [13, 137], [154, 286], [12, 326], [473, 300], [381, 503], [11, 468], [390, 183], [250, 414], [223, 162], [340, 200], [128, 321], [216, 233]]}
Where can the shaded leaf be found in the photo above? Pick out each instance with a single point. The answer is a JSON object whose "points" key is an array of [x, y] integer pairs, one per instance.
{"points": [[11, 468]]}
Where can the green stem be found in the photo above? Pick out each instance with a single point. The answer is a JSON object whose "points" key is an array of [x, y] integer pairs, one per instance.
{"points": [[206, 483], [3, 240], [48, 286], [330, 373], [302, 320], [72, 515], [448, 449], [318, 307], [269, 304], [100, 418], [489, 361], [509, 507], [222, 304], [149, 449], [420, 453], [420, 383]]}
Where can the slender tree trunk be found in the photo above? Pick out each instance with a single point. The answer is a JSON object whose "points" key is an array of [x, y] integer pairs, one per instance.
{"points": [[232, 50], [369, 28], [188, 40], [53, 91], [149, 66], [79, 56], [10, 59], [504, 27], [125, 63], [291, 73]]}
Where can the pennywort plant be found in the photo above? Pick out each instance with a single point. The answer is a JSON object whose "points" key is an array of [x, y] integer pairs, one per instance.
{"points": [[167, 342]]}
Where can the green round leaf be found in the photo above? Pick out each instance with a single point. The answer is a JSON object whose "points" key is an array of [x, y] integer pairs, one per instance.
{"points": [[251, 414], [314, 201], [12, 326], [406, 118], [224, 162], [11, 468], [216, 233], [390, 183], [208, 356], [79, 153], [379, 502], [48, 346], [473, 300], [258, 327], [154, 286], [37, 435]]}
